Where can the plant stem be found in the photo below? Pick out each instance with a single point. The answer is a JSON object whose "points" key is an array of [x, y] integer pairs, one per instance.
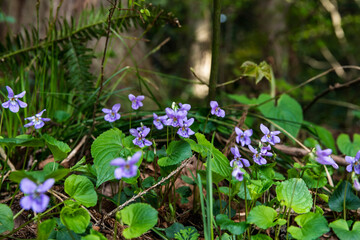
{"points": [[344, 203], [317, 187], [206, 121]]}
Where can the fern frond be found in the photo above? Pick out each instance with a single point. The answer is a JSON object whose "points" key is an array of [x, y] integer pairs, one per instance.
{"points": [[90, 25]]}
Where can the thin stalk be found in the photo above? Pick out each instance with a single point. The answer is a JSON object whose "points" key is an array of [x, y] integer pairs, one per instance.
{"points": [[317, 187], [246, 209], [206, 121], [202, 207], [344, 203]]}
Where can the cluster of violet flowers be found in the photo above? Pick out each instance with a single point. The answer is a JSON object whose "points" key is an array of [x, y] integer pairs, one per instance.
{"points": [[14, 105], [243, 138]]}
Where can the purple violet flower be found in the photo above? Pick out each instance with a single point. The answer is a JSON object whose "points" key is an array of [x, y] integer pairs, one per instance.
{"points": [[216, 110], [140, 135], [126, 168], [174, 117], [159, 120], [14, 103], [243, 137], [136, 101], [112, 114], [258, 156], [269, 137], [184, 129], [323, 157], [184, 107], [35, 198], [237, 173], [37, 121], [238, 159], [353, 163]]}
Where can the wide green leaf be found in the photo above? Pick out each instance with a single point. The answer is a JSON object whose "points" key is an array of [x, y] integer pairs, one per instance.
{"points": [[346, 146], [312, 226], [81, 189], [177, 152], [45, 229], [76, 219], [108, 146], [263, 217], [325, 137], [294, 193], [22, 140], [6, 218], [58, 149], [225, 223], [220, 164], [287, 113], [94, 235], [336, 201], [341, 229], [140, 217]]}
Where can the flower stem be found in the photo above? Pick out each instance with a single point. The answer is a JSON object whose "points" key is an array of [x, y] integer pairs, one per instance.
{"points": [[207, 118], [317, 187], [344, 203]]}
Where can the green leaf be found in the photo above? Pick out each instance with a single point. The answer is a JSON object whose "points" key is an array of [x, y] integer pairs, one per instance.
{"points": [[81, 189], [94, 235], [243, 99], [184, 192], [58, 149], [294, 193], [21, 140], [176, 227], [312, 226], [287, 114], [258, 187], [140, 217], [336, 201], [341, 229], [45, 229], [313, 180], [225, 223], [35, 176], [75, 219], [251, 69], [263, 217], [177, 152], [260, 237], [346, 146], [6, 218], [326, 137], [108, 146], [54, 170], [219, 164]]}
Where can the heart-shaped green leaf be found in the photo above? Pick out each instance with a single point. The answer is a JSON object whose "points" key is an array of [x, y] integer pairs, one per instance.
{"points": [[295, 194], [287, 114], [75, 219], [108, 146], [336, 201], [177, 152], [341, 229], [81, 189], [346, 146], [140, 217], [6, 218], [225, 223], [312, 226], [263, 217]]}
